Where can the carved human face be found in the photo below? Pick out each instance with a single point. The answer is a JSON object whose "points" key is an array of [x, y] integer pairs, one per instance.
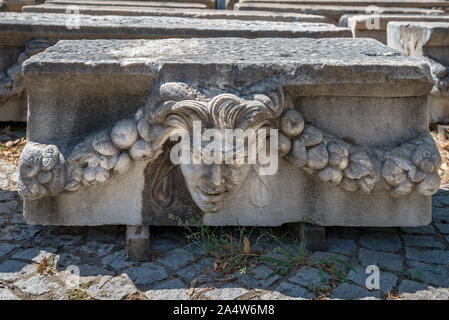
{"points": [[212, 186]]}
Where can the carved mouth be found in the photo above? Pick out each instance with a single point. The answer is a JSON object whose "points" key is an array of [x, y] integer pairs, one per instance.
{"points": [[211, 196]]}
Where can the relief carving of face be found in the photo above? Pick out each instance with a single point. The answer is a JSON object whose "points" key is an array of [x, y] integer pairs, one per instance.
{"points": [[213, 186]]}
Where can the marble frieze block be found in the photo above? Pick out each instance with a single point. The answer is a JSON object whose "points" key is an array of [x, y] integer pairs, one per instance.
{"points": [[346, 121]]}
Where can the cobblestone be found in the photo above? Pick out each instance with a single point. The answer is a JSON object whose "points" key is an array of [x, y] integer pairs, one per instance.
{"points": [[419, 270], [384, 260], [383, 241]]}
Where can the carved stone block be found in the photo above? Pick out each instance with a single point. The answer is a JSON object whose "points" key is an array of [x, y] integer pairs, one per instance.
{"points": [[430, 41], [123, 132]]}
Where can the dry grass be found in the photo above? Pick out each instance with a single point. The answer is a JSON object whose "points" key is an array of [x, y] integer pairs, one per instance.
{"points": [[10, 150], [442, 142]]}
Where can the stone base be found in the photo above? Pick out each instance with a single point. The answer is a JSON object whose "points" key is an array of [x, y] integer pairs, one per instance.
{"points": [[138, 243]]}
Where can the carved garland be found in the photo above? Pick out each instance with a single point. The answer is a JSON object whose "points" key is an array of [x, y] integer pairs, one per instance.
{"points": [[11, 81], [108, 153]]}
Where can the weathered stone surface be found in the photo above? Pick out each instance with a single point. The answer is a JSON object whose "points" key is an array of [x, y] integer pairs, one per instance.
{"points": [[138, 243], [186, 13], [430, 41], [169, 290], [425, 294], [443, 227], [18, 233], [334, 11], [342, 246], [387, 280], [11, 270], [348, 291], [379, 3], [6, 195], [117, 260], [34, 254], [139, 58], [112, 288], [96, 249], [293, 290], [259, 277], [67, 259], [35, 285], [54, 25], [6, 294], [408, 287], [146, 273], [328, 258], [437, 275], [386, 241], [420, 230], [422, 241], [176, 258], [310, 278], [429, 256], [6, 248], [384, 260], [169, 4], [440, 215], [375, 25], [227, 292]]}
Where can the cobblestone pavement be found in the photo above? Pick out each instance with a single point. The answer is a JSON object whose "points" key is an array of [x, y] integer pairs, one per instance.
{"points": [[36, 263]]}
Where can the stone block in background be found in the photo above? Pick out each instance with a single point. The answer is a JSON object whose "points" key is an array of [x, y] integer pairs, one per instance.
{"points": [[102, 10], [198, 4], [31, 33], [16, 5], [334, 12], [429, 40], [375, 26], [354, 147]]}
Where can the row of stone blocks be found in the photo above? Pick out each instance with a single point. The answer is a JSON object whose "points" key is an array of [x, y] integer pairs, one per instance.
{"points": [[22, 35]]}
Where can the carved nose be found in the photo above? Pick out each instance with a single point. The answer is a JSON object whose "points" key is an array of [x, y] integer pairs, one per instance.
{"points": [[214, 175]]}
